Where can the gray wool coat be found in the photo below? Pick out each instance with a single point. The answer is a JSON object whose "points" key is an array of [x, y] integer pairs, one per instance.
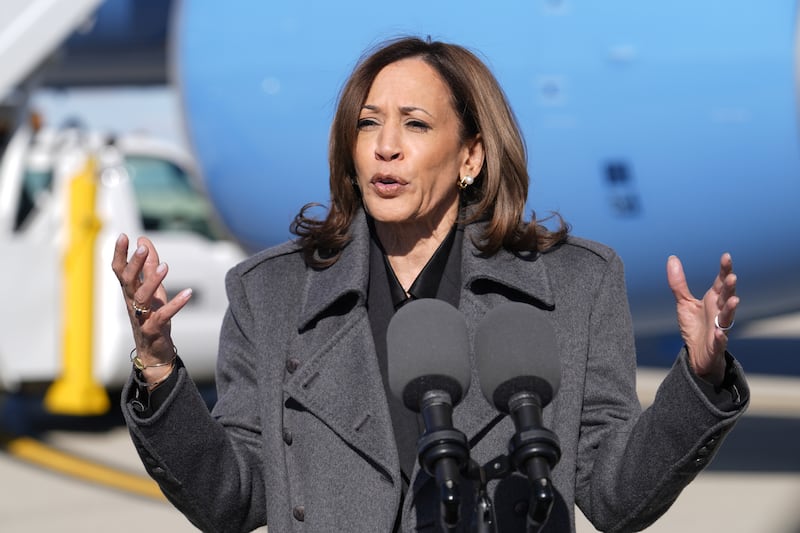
{"points": [[301, 439]]}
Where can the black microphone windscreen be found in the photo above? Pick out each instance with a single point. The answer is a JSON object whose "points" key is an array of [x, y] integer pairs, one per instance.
{"points": [[516, 351], [428, 349]]}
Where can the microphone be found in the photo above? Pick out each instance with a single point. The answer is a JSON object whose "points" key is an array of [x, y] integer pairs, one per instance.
{"points": [[519, 370], [429, 371]]}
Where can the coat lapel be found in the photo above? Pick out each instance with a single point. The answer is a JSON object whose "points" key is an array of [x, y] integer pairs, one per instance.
{"points": [[486, 283], [338, 379]]}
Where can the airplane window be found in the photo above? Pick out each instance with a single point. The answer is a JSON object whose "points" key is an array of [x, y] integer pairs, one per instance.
{"points": [[624, 197], [167, 199]]}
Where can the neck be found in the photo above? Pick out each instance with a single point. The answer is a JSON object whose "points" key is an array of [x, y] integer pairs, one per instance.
{"points": [[409, 247]]}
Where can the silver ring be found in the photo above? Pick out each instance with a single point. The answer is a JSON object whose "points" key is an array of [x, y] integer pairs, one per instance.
{"points": [[727, 328], [139, 311]]}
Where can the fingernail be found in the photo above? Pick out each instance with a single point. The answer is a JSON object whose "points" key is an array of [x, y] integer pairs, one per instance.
{"points": [[141, 250], [161, 268], [121, 237], [186, 294]]}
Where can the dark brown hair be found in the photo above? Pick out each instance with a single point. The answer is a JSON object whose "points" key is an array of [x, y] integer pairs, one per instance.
{"points": [[501, 188]]}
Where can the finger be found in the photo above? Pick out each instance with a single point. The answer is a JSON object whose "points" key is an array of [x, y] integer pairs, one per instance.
{"points": [[725, 269], [720, 341], [172, 307], [677, 279], [158, 318], [130, 274], [728, 290], [150, 269], [152, 260], [120, 258], [725, 283], [150, 264], [727, 313], [148, 296], [153, 273]]}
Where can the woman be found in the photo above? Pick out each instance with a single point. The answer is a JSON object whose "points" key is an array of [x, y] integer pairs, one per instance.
{"points": [[428, 185]]}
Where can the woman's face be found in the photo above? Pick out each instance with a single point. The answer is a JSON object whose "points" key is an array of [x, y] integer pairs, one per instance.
{"points": [[409, 153]]}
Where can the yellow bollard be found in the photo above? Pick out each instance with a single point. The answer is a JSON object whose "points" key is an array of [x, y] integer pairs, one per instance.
{"points": [[76, 392]]}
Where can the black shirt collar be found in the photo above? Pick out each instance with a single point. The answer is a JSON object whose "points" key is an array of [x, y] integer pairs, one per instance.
{"points": [[427, 283]]}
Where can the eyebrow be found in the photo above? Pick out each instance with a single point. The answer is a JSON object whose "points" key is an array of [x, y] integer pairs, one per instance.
{"points": [[406, 110]]}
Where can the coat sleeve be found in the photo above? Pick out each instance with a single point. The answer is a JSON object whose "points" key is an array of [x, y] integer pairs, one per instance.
{"points": [[631, 465], [204, 463]]}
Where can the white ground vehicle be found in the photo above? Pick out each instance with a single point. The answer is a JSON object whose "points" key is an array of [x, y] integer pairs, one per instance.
{"points": [[143, 186]]}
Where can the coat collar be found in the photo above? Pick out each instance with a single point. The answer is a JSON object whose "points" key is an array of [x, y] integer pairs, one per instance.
{"points": [[340, 353], [350, 274], [523, 273]]}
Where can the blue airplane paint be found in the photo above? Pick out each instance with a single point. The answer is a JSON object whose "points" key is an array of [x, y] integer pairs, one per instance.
{"points": [[657, 129]]}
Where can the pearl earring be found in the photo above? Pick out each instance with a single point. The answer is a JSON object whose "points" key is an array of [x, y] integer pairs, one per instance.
{"points": [[465, 182]]}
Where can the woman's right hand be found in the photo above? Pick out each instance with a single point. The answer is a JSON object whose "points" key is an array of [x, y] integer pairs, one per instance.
{"points": [[150, 313]]}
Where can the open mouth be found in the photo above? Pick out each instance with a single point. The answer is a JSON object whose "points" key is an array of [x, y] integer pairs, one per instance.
{"points": [[384, 179], [387, 185]]}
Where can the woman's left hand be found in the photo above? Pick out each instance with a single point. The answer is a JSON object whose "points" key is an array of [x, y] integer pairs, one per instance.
{"points": [[704, 323]]}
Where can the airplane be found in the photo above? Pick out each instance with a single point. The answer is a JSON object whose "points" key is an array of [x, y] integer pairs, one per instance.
{"points": [[665, 128], [658, 129]]}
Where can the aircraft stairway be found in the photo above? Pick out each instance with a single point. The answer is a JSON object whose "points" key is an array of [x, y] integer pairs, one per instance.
{"points": [[31, 30]]}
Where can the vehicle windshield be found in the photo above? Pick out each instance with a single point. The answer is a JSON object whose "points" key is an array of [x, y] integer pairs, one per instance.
{"points": [[168, 201], [34, 183]]}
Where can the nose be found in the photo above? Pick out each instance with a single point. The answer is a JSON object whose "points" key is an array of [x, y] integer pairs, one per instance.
{"points": [[388, 145]]}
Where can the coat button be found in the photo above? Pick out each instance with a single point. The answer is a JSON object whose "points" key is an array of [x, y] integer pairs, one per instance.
{"points": [[287, 436], [299, 513], [292, 364]]}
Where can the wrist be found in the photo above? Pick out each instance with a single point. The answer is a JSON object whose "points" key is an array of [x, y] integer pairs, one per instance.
{"points": [[713, 371], [155, 378], [153, 373]]}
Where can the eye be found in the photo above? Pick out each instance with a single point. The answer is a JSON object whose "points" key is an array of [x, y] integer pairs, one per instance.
{"points": [[418, 125], [366, 123]]}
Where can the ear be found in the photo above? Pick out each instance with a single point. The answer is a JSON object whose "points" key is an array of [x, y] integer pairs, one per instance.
{"points": [[473, 157]]}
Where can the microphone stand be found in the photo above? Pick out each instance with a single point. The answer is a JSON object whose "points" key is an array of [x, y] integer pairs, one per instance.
{"points": [[483, 518], [534, 451], [443, 453]]}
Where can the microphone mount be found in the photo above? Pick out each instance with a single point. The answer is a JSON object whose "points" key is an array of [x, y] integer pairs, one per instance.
{"points": [[534, 451], [443, 453]]}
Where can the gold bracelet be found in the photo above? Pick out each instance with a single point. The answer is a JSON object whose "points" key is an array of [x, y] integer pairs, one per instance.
{"points": [[152, 386], [138, 364]]}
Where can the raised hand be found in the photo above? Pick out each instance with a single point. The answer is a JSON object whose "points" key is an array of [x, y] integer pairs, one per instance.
{"points": [[704, 323], [150, 313]]}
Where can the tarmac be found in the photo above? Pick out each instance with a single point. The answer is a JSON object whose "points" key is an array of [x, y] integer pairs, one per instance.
{"points": [[752, 486]]}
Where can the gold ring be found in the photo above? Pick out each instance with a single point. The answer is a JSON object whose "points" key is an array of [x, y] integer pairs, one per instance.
{"points": [[139, 310]]}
